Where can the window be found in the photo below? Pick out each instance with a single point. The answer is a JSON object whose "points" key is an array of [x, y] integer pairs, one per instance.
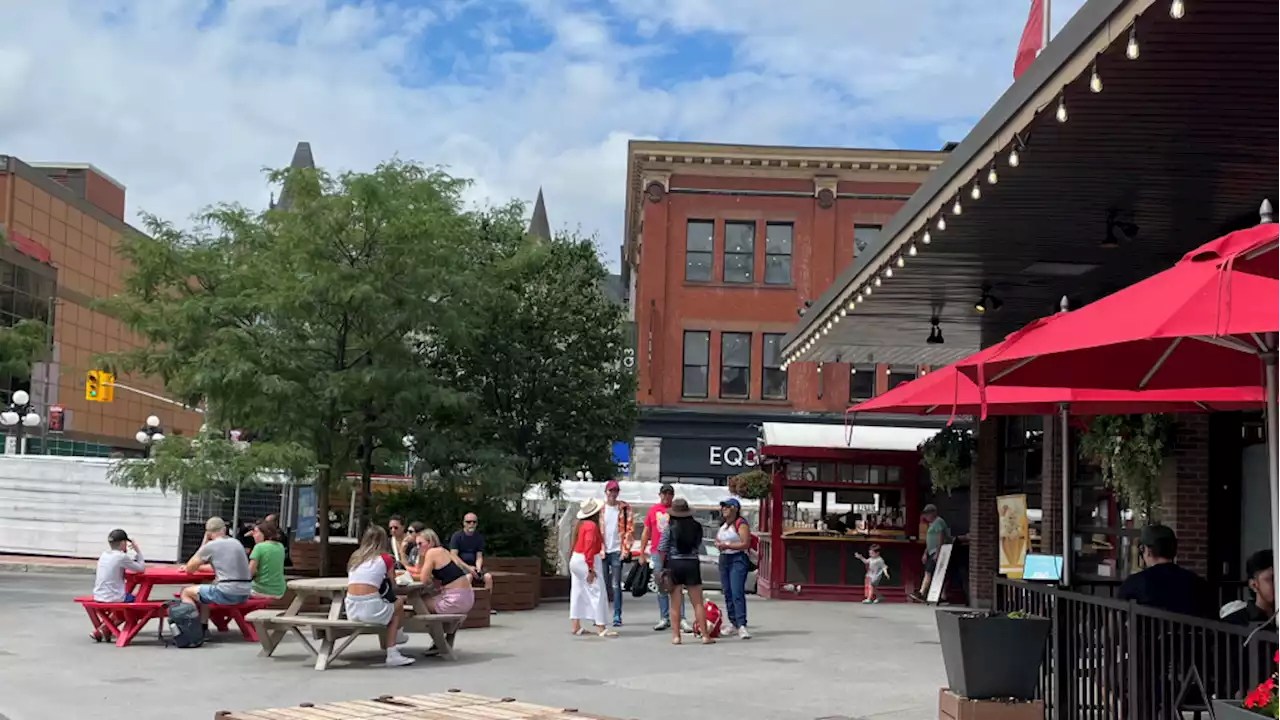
{"points": [[864, 236], [862, 382], [739, 251], [900, 375], [698, 236], [773, 380], [777, 253], [697, 354], [735, 365]]}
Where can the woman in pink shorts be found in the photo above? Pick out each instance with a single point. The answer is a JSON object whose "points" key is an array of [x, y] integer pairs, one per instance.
{"points": [[438, 566]]}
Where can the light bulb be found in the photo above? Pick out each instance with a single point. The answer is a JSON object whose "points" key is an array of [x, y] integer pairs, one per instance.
{"points": [[1014, 159], [1061, 114], [888, 272], [877, 281], [901, 262], [1131, 50], [942, 222], [992, 177], [867, 291], [851, 306], [1177, 10], [858, 298], [912, 250], [1095, 81], [955, 208], [976, 192], [826, 330], [843, 312], [927, 238], [141, 437]]}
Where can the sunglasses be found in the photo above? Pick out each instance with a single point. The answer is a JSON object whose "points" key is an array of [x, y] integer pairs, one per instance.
{"points": [[469, 522]]}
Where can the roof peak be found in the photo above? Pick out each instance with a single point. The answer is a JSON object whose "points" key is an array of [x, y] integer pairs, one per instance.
{"points": [[539, 225]]}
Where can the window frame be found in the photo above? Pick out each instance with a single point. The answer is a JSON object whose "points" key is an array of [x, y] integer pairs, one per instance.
{"points": [[709, 253], [870, 371], [726, 253], [686, 365], [766, 368], [865, 226], [770, 253], [890, 371], [745, 368]]}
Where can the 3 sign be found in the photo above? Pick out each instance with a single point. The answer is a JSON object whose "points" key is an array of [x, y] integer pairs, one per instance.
{"points": [[99, 386]]}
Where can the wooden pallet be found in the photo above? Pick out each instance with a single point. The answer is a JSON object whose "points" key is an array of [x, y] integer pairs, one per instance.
{"points": [[451, 705]]}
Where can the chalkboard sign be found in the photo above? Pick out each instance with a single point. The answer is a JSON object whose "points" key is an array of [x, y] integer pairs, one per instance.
{"points": [[938, 579]]}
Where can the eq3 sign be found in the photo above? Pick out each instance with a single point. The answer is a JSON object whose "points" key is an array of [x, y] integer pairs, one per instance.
{"points": [[733, 456]]}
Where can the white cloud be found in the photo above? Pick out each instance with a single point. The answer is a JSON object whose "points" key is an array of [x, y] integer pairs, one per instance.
{"points": [[185, 101]]}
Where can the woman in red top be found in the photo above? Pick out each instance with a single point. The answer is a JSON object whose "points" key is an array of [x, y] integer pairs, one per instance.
{"points": [[587, 601]]}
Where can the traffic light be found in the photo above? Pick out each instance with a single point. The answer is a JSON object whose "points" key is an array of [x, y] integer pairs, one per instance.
{"points": [[93, 386]]}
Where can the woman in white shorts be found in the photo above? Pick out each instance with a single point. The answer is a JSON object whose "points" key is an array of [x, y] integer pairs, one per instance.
{"points": [[370, 565]]}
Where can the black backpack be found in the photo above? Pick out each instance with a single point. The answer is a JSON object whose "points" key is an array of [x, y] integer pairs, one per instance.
{"points": [[185, 630]]}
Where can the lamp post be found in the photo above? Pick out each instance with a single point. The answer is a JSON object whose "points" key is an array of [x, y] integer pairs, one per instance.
{"points": [[150, 433], [585, 475], [19, 415]]}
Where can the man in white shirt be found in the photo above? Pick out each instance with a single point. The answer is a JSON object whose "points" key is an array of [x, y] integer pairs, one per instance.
{"points": [[108, 584], [618, 535]]}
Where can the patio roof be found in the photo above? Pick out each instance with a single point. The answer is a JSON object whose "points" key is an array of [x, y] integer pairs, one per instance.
{"points": [[1179, 146]]}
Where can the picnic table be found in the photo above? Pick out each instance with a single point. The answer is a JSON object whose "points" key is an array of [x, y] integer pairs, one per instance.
{"points": [[334, 627], [140, 584]]}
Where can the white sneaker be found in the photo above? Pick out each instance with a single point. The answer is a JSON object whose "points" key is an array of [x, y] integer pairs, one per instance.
{"points": [[744, 633], [685, 626], [402, 637], [395, 659], [662, 625], [867, 601]]}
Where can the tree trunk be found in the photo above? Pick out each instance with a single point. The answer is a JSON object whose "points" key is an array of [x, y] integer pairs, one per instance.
{"points": [[366, 483], [322, 516]]}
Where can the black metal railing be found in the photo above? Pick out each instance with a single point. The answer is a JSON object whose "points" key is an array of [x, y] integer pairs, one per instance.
{"points": [[1110, 659]]}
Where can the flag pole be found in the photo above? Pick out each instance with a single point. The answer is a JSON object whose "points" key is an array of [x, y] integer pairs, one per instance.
{"points": [[1044, 30]]}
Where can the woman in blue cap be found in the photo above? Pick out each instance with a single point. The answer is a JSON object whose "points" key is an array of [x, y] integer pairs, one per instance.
{"points": [[733, 539]]}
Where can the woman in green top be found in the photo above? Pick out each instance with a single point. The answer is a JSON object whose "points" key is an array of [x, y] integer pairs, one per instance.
{"points": [[266, 560]]}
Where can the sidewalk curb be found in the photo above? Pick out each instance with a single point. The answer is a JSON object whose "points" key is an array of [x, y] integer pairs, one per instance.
{"points": [[46, 568]]}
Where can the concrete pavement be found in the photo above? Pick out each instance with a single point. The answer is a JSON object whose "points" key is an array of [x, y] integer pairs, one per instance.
{"points": [[808, 661]]}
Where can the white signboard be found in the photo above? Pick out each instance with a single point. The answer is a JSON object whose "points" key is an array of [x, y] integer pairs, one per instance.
{"points": [[733, 456], [939, 577]]}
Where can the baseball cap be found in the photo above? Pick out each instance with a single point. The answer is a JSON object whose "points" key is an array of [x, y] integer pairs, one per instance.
{"points": [[930, 508], [117, 535], [731, 502], [611, 485], [215, 524], [666, 489]]}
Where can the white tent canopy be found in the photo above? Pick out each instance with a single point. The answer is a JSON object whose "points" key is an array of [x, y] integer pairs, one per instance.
{"points": [[639, 493], [844, 437]]}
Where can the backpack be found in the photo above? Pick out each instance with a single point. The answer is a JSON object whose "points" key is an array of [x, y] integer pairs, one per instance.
{"points": [[713, 619], [185, 630]]}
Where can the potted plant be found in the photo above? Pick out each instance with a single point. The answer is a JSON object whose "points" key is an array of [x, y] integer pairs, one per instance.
{"points": [[1261, 701], [949, 457], [751, 485], [1130, 451], [992, 655]]}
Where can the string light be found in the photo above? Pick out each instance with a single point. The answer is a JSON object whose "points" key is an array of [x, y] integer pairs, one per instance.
{"points": [[992, 177], [955, 208], [1013, 158], [976, 192], [843, 312], [852, 306], [1061, 114], [858, 298], [912, 250], [928, 238], [1177, 9], [942, 222], [901, 262], [888, 273], [867, 291], [1095, 81], [1131, 49]]}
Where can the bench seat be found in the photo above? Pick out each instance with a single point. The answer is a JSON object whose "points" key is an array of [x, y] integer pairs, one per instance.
{"points": [[272, 625]]}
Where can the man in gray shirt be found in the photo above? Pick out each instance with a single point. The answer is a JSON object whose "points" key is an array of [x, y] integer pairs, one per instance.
{"points": [[232, 580]]}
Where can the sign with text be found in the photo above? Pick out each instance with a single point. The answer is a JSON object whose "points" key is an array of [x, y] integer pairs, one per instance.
{"points": [[1014, 535], [733, 456], [305, 529]]}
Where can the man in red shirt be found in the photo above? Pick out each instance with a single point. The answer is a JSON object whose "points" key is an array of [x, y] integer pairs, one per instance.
{"points": [[655, 521]]}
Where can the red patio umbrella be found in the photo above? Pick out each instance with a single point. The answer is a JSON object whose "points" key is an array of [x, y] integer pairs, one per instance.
{"points": [[1209, 321]]}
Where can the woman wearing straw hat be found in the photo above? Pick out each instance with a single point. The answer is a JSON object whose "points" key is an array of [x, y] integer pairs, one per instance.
{"points": [[587, 599]]}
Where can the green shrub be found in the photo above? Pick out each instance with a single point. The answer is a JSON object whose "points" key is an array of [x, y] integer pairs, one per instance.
{"points": [[507, 532]]}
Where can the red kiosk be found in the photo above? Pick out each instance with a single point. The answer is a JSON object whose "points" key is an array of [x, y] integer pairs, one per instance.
{"points": [[835, 491]]}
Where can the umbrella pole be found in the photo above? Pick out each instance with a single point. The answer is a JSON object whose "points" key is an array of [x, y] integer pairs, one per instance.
{"points": [[1065, 435], [1273, 443]]}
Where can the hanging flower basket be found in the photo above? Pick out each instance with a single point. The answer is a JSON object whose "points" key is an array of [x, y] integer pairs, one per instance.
{"points": [[1130, 451], [751, 485], [949, 458]]}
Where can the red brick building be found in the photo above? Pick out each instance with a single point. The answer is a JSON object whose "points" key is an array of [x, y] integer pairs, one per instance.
{"points": [[724, 246]]}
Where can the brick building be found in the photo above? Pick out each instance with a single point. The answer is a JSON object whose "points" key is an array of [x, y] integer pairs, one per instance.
{"points": [[63, 222], [724, 245]]}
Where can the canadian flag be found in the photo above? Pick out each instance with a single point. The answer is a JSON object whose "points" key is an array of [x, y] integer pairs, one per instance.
{"points": [[1033, 37]]}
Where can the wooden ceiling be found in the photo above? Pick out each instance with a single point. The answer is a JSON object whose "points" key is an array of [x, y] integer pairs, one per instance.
{"points": [[1181, 141]]}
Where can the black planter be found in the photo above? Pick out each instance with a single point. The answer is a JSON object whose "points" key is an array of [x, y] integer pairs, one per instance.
{"points": [[992, 656], [1232, 710]]}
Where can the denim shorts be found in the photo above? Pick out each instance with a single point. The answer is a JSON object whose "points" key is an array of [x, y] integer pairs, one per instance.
{"points": [[211, 594]]}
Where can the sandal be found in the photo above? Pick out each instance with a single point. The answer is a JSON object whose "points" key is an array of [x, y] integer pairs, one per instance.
{"points": [[608, 634], [579, 631]]}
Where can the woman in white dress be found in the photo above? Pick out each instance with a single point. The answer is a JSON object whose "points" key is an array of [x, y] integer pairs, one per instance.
{"points": [[587, 598]]}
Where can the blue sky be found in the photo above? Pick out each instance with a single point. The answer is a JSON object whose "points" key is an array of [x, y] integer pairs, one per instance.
{"points": [[185, 101]]}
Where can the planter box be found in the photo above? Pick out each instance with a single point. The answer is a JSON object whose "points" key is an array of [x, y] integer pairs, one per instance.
{"points": [[554, 587], [518, 565], [514, 591], [955, 707], [306, 556], [992, 656], [479, 615], [1233, 710]]}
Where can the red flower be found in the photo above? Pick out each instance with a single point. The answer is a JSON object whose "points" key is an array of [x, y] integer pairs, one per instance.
{"points": [[1261, 695]]}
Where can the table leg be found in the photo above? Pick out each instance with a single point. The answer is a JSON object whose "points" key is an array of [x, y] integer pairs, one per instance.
{"points": [[326, 648], [306, 642], [337, 604], [141, 591], [246, 628], [443, 642], [418, 601], [220, 620], [269, 637], [134, 621]]}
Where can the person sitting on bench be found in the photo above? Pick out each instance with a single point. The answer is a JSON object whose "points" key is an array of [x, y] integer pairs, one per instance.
{"points": [[439, 566], [232, 580], [370, 566], [108, 583]]}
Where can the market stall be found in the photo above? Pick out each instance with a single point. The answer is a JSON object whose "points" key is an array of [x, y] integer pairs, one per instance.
{"points": [[836, 491]]}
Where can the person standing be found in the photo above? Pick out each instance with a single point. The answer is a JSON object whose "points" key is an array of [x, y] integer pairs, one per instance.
{"points": [[468, 546], [232, 582], [655, 521], [937, 535], [586, 594], [618, 534], [678, 547], [876, 570], [733, 539]]}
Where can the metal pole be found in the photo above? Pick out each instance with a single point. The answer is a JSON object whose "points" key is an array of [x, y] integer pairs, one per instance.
{"points": [[1065, 442], [1044, 31], [1273, 441]]}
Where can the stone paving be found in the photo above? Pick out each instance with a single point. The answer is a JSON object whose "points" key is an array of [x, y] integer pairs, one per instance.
{"points": [[807, 661]]}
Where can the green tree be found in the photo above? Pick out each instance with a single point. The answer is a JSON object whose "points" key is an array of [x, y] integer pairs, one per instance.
{"points": [[542, 361], [22, 343], [300, 325]]}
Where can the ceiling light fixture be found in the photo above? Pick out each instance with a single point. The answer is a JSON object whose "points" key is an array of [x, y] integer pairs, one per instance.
{"points": [[976, 192], [927, 238], [955, 208], [987, 302], [901, 262]]}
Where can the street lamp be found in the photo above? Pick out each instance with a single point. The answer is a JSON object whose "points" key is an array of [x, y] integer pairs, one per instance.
{"points": [[585, 475], [19, 415], [150, 433]]}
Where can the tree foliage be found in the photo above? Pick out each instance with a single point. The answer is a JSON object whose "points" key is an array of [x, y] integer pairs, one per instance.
{"points": [[949, 457], [209, 461], [22, 343]]}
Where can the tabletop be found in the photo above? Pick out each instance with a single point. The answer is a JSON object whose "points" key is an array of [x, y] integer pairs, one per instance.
{"points": [[339, 584], [170, 575]]}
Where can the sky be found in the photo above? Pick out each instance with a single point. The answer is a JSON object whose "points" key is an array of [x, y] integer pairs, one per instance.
{"points": [[185, 102]]}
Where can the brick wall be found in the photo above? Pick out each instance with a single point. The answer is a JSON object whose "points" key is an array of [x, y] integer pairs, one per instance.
{"points": [[984, 545], [1051, 487], [1185, 491]]}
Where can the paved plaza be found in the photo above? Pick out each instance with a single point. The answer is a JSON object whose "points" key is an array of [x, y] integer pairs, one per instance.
{"points": [[807, 661]]}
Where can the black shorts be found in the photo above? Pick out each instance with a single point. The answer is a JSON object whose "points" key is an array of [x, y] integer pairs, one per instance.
{"points": [[685, 572], [931, 563]]}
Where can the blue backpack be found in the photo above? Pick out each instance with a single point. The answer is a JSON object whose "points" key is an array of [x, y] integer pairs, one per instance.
{"points": [[185, 630]]}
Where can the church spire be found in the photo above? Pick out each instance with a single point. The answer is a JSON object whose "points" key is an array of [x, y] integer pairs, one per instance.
{"points": [[539, 226], [302, 160]]}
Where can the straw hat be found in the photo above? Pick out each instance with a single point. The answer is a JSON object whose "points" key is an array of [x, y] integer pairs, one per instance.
{"points": [[589, 508]]}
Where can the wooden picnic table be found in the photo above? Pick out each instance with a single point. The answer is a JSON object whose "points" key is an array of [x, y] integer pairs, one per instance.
{"points": [[451, 705], [272, 625], [140, 584]]}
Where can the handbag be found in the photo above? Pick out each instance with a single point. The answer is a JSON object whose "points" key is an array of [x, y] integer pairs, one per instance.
{"points": [[629, 583], [640, 586], [664, 581], [387, 589]]}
